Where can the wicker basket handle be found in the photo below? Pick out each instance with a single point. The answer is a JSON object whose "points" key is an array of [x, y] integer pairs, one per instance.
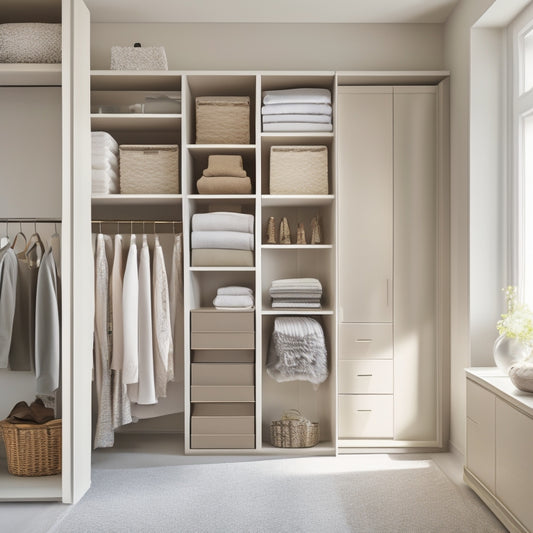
{"points": [[295, 414]]}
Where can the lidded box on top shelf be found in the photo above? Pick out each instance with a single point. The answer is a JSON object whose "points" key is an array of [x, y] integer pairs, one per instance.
{"points": [[222, 119], [30, 42]]}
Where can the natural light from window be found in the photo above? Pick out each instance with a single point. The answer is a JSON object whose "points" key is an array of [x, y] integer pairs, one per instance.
{"points": [[527, 44], [527, 212]]}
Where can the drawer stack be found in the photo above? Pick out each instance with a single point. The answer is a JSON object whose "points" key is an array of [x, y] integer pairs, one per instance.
{"points": [[222, 379], [365, 381]]}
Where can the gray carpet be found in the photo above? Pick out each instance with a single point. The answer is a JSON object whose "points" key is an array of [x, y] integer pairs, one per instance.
{"points": [[282, 495]]}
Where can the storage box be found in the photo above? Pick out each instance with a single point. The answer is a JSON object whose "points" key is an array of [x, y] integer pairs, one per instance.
{"points": [[299, 170], [138, 58], [223, 120], [30, 42], [149, 169]]}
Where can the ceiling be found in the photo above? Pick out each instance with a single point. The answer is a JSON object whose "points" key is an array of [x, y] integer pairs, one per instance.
{"points": [[271, 11]]}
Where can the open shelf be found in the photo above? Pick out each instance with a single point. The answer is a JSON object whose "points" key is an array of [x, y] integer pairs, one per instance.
{"points": [[296, 246], [296, 311], [297, 137], [221, 269], [301, 200], [30, 74], [206, 149], [142, 80], [18, 488], [322, 448], [135, 121], [209, 197], [136, 199]]}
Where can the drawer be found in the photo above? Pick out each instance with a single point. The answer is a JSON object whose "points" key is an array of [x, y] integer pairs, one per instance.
{"points": [[222, 393], [222, 341], [479, 404], [223, 356], [366, 416], [223, 418], [222, 441], [365, 341], [366, 376], [210, 320], [222, 374]]}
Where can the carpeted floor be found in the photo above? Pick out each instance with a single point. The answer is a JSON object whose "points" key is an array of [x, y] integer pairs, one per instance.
{"points": [[316, 494]]}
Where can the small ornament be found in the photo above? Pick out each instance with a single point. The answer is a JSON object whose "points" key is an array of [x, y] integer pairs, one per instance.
{"points": [[300, 234], [271, 231], [284, 232], [315, 231]]}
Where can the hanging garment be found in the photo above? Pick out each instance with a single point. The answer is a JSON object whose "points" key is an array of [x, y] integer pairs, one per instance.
{"points": [[104, 436], [22, 350], [120, 402], [8, 287], [162, 330], [130, 323], [147, 394], [47, 327], [55, 243], [176, 306]]}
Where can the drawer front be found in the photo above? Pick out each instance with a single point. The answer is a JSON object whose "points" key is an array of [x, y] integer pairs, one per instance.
{"points": [[222, 374], [210, 320], [366, 416], [223, 393], [366, 376], [223, 441], [221, 425], [365, 341], [223, 356], [479, 404], [222, 341]]}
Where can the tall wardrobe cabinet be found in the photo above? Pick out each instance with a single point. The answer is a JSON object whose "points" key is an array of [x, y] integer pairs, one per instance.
{"points": [[389, 373]]}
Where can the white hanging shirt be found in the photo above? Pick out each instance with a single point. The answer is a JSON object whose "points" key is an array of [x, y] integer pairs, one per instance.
{"points": [[8, 288]]}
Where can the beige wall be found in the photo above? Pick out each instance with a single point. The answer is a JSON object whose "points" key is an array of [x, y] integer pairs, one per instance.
{"points": [[279, 46]]}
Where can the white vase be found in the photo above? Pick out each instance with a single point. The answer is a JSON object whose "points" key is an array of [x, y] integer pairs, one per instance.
{"points": [[508, 351]]}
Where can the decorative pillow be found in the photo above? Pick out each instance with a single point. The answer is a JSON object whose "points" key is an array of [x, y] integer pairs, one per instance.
{"points": [[521, 375], [30, 42]]}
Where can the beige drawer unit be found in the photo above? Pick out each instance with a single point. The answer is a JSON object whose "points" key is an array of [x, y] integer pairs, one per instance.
{"points": [[223, 356], [209, 320], [222, 393], [223, 442], [365, 416], [229, 340], [222, 374], [365, 341], [366, 376], [223, 419]]}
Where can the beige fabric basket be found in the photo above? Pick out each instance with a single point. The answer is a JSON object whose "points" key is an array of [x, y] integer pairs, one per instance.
{"points": [[294, 431], [299, 170], [223, 120], [149, 169]]}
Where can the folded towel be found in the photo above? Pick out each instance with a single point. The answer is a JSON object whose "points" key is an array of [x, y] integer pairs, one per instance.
{"points": [[296, 126], [104, 162], [231, 240], [225, 165], [296, 109], [100, 138], [104, 182], [224, 185], [223, 221], [295, 296], [296, 282], [323, 119], [304, 95], [235, 291], [105, 176], [313, 305], [227, 300], [213, 257]]}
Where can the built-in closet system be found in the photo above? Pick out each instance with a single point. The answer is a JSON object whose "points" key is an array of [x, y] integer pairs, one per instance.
{"points": [[69, 198]]}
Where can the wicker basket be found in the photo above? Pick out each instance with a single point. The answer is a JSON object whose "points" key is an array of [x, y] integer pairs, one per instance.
{"points": [[294, 431], [223, 120], [149, 169], [32, 449], [299, 170]]}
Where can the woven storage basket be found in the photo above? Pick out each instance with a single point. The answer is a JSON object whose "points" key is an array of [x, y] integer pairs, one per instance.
{"points": [[138, 58], [294, 431], [33, 449], [299, 170], [223, 120], [149, 169]]}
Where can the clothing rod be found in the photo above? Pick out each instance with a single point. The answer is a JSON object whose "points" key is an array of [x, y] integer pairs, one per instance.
{"points": [[109, 221], [37, 220]]}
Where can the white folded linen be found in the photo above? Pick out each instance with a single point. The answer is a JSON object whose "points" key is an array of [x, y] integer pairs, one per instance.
{"points": [[104, 182], [228, 300], [304, 95], [296, 304], [295, 281], [100, 138], [228, 240], [104, 176], [101, 162], [296, 126], [234, 290], [296, 109], [223, 221], [322, 119]]}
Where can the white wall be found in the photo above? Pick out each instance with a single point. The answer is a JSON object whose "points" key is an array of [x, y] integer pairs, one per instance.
{"points": [[279, 46]]}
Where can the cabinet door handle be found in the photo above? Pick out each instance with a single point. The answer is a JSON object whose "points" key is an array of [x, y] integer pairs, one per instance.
{"points": [[364, 410], [364, 340], [364, 375]]}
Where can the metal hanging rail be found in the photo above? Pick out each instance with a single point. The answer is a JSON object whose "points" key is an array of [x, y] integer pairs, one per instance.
{"points": [[36, 220]]}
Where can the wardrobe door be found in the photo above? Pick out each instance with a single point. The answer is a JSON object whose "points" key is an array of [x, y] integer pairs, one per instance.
{"points": [[365, 161], [415, 248]]}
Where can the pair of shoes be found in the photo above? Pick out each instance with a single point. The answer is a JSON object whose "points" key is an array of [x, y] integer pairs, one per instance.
{"points": [[285, 232]]}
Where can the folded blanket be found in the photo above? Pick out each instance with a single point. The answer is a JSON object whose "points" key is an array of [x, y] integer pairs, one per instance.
{"points": [[223, 221], [291, 96], [234, 290], [296, 126], [296, 295], [213, 257], [225, 165], [295, 281], [296, 109], [224, 185], [102, 138], [103, 162], [305, 300], [104, 182], [227, 300], [310, 305], [322, 119], [231, 240]]}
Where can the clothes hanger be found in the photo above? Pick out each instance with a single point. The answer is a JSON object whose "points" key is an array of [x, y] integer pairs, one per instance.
{"points": [[19, 234], [34, 241], [4, 241]]}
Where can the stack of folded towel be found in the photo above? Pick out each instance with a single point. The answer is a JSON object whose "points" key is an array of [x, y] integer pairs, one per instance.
{"points": [[298, 292], [234, 298], [104, 161], [224, 175], [297, 110], [222, 239]]}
